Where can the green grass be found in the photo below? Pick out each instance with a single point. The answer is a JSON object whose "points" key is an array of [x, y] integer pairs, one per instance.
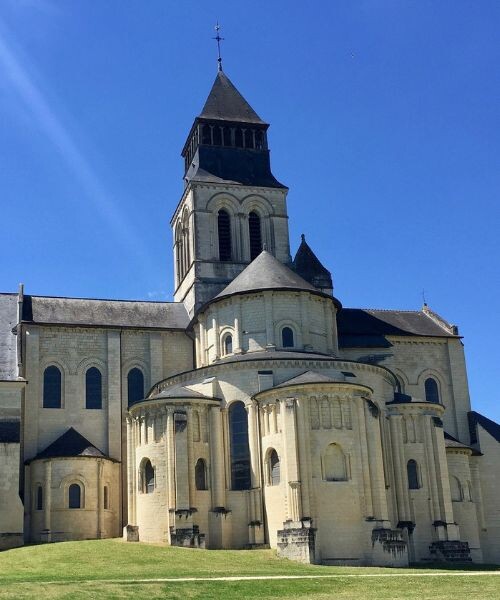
{"points": [[106, 568]]}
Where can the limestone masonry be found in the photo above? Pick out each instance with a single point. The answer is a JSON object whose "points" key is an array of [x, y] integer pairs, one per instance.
{"points": [[252, 411]]}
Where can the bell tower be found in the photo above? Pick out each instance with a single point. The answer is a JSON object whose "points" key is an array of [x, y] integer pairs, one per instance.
{"points": [[232, 206]]}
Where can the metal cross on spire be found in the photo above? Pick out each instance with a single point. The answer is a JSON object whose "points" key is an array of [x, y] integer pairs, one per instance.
{"points": [[218, 39]]}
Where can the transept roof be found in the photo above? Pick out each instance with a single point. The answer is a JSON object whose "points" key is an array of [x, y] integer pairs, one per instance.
{"points": [[70, 444]]}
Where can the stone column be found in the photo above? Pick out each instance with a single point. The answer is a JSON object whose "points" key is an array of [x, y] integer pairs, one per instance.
{"points": [[431, 470], [130, 471], [114, 396], [377, 478], [237, 342], [46, 535], [217, 458], [292, 464], [304, 456], [215, 329], [402, 498], [256, 528], [268, 308], [327, 316], [100, 504], [203, 344], [190, 456], [304, 314], [365, 459], [170, 448]]}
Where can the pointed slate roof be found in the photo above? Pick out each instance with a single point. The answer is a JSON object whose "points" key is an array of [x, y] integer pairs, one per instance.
{"points": [[70, 444], [310, 377], [179, 391], [225, 103], [490, 426], [308, 266], [265, 273]]}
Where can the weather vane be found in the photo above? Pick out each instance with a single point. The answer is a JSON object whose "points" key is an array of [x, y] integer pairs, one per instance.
{"points": [[218, 39]]}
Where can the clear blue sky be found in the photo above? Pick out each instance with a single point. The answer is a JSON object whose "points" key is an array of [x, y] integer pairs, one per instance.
{"points": [[385, 124]]}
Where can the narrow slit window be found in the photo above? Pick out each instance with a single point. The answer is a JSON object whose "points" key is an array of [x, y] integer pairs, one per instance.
{"points": [[255, 235], [224, 227]]}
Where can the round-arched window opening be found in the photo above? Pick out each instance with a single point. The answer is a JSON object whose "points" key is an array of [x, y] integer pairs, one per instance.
{"points": [[431, 390], [287, 338], [200, 475], [74, 496], [228, 345], [412, 471], [147, 477], [273, 468]]}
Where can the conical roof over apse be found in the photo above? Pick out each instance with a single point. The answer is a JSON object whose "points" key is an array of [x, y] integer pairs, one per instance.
{"points": [[266, 273], [225, 103], [308, 266]]}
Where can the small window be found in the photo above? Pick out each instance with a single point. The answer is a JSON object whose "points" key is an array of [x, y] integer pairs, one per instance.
{"points": [[334, 464], [200, 474], [228, 345], [224, 227], [39, 498], [135, 385], [93, 388], [412, 471], [147, 477], [274, 468], [255, 235], [106, 497], [431, 390], [52, 387], [74, 496], [287, 340]]}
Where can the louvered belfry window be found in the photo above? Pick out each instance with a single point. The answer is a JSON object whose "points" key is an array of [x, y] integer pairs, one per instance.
{"points": [[255, 235], [224, 226]]}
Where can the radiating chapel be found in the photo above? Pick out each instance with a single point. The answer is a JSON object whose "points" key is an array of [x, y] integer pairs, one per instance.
{"points": [[252, 411]]}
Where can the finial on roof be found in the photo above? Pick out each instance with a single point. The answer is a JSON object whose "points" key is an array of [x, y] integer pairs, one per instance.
{"points": [[302, 237], [218, 39], [264, 246]]}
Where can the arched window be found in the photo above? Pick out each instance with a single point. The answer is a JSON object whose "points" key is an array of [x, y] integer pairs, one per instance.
{"points": [[334, 464], [255, 235], [206, 135], [185, 242], [287, 340], [200, 474], [93, 388], [273, 468], [224, 227], [431, 390], [52, 387], [39, 497], [74, 496], [106, 497], [228, 344], [147, 478], [240, 451], [135, 385], [456, 489], [412, 472], [179, 253]]}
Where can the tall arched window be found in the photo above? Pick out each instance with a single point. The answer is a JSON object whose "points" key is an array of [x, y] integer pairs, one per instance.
{"points": [[200, 474], [334, 464], [412, 472], [135, 385], [255, 235], [287, 340], [457, 494], [240, 451], [224, 227], [228, 345], [147, 477], [185, 242], [52, 387], [431, 390], [179, 253], [273, 468], [74, 496], [39, 497], [93, 388]]}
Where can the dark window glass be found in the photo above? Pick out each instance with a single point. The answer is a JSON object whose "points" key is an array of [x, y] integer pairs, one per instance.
{"points": [[240, 451], [224, 226], [238, 138], [93, 388], [39, 498], [74, 496], [274, 468], [148, 477], [287, 337], [135, 384], [255, 235], [200, 475], [248, 138], [228, 344], [431, 390], [217, 135], [52, 387], [412, 469], [206, 137], [259, 140]]}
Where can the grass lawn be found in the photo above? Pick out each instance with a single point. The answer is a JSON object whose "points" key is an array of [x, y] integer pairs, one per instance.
{"points": [[108, 568]]}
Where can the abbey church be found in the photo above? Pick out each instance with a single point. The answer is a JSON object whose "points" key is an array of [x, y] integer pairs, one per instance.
{"points": [[252, 411]]}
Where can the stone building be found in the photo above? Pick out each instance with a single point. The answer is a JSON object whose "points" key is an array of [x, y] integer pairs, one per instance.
{"points": [[254, 409]]}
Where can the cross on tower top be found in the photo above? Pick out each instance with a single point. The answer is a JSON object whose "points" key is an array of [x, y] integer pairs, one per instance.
{"points": [[218, 39]]}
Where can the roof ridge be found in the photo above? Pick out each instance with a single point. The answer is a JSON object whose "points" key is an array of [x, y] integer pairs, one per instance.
{"points": [[383, 309], [98, 299]]}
